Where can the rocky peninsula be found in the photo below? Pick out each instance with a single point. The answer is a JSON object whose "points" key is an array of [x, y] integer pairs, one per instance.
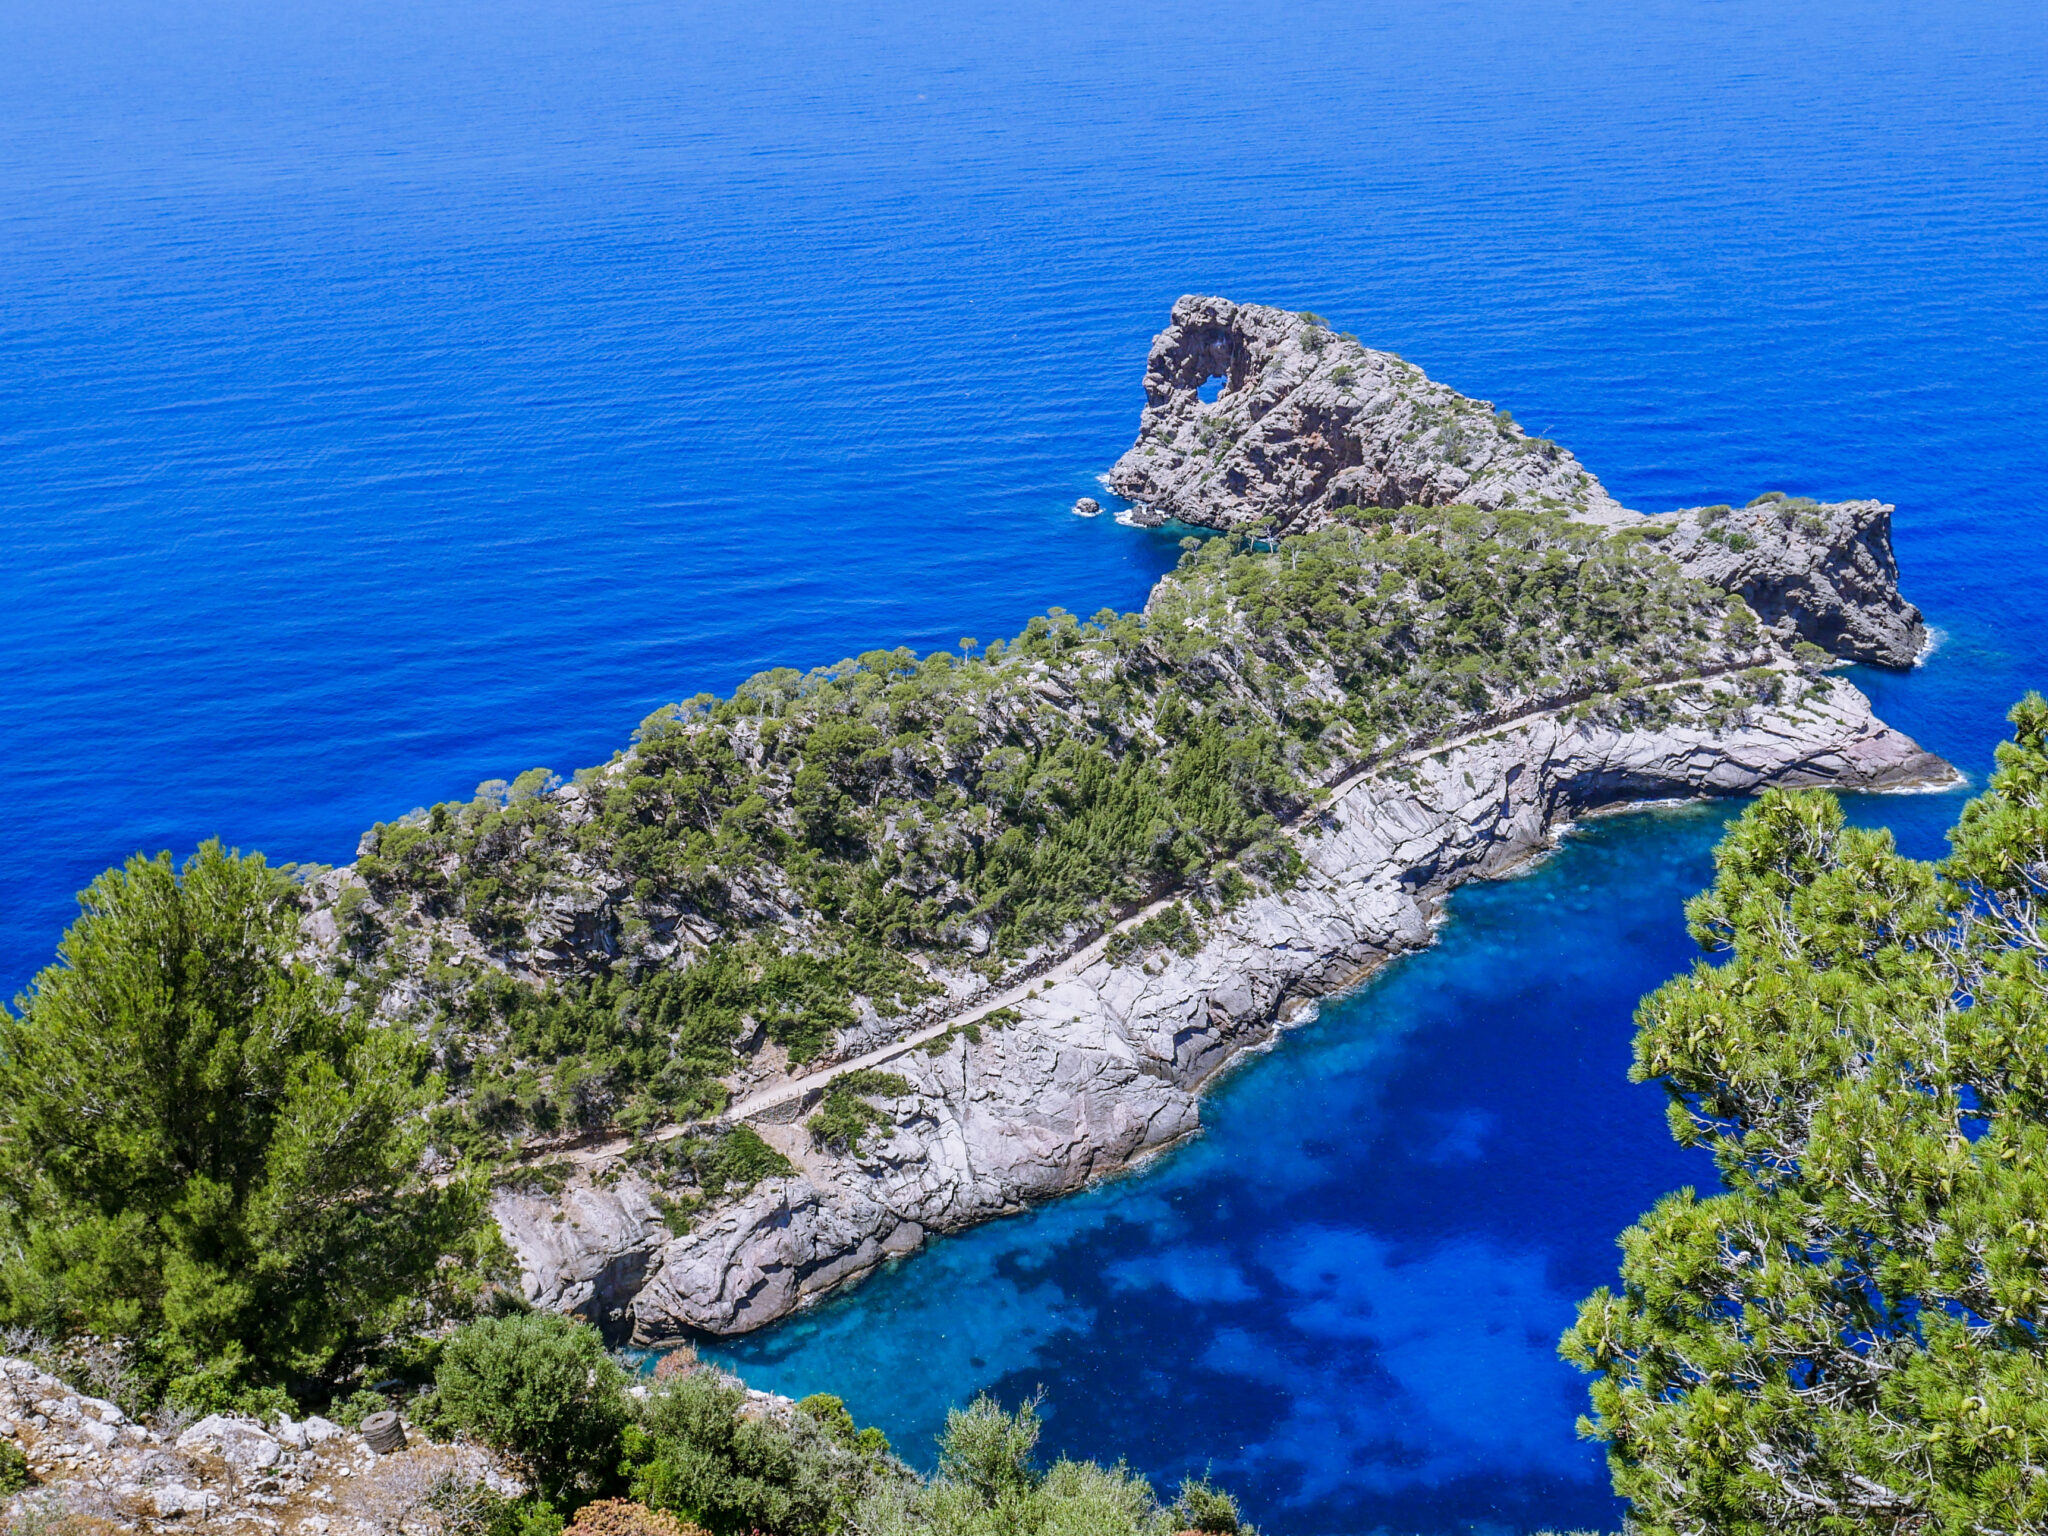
{"points": [[886, 949]]}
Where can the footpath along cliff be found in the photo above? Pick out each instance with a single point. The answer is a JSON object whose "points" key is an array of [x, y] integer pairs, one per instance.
{"points": [[887, 949]]}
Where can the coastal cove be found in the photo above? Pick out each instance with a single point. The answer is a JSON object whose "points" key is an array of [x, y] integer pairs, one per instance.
{"points": [[1354, 1321], [396, 404]]}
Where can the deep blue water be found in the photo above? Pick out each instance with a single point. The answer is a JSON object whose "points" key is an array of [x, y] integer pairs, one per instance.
{"points": [[395, 396]]}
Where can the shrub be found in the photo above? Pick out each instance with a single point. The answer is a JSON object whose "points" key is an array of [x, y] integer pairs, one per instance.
{"points": [[540, 1389], [832, 1414], [1171, 929], [695, 1454], [988, 1451], [475, 1509], [13, 1469], [845, 1118], [730, 1163], [738, 1160], [1203, 1507], [350, 1411], [987, 1485]]}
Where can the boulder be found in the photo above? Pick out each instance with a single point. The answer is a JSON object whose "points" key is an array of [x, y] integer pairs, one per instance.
{"points": [[175, 1499], [240, 1443]]}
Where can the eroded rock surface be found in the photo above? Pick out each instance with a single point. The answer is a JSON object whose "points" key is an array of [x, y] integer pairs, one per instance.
{"points": [[1306, 421], [1107, 1062], [225, 1473], [1825, 568]]}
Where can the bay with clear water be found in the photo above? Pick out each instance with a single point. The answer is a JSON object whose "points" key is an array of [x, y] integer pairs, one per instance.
{"points": [[398, 396]]}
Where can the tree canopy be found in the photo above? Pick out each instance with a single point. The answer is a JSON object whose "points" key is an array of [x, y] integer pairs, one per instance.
{"points": [[201, 1150], [1851, 1337]]}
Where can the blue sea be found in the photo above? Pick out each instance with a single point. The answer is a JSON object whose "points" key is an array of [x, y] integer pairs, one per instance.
{"points": [[394, 396]]}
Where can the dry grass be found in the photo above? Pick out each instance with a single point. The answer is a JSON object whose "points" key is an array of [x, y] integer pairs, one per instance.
{"points": [[622, 1517]]}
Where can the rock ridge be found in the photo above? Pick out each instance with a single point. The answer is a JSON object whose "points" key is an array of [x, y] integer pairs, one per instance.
{"points": [[1308, 421]]}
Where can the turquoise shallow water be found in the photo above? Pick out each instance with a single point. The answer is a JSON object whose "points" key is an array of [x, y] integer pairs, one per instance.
{"points": [[1344, 1299], [395, 396]]}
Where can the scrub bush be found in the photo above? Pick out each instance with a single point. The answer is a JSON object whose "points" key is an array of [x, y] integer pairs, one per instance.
{"points": [[540, 1389]]}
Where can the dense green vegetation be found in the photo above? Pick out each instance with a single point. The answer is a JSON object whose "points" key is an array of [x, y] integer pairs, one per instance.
{"points": [[204, 1155], [541, 1391], [786, 862], [1853, 1337], [846, 1115]]}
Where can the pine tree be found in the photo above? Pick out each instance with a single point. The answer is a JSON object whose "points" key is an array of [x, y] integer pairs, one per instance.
{"points": [[1851, 1337], [202, 1151]]}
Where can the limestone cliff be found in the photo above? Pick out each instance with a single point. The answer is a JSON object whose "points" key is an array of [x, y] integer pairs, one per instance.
{"points": [[1305, 421], [1108, 1059]]}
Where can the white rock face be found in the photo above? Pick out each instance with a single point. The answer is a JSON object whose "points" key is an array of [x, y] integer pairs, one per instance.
{"points": [[1306, 421], [238, 1442], [1108, 1060]]}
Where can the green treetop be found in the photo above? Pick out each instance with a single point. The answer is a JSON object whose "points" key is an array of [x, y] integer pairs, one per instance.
{"points": [[201, 1151], [1852, 1336]]}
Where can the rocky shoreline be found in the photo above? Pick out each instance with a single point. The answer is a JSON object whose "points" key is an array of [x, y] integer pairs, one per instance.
{"points": [[1444, 636], [1106, 1064]]}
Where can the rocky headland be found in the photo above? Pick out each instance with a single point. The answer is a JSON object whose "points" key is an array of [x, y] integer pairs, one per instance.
{"points": [[1307, 421], [881, 951], [1107, 1061]]}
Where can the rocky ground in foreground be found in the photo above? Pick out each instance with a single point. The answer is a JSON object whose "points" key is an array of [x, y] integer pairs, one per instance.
{"points": [[94, 1470], [90, 1462]]}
